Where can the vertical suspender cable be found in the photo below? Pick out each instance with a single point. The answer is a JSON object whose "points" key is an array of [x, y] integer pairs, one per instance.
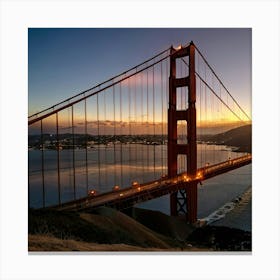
{"points": [[129, 128], [147, 94], [58, 161], [220, 109], [154, 127], [142, 126], [43, 164], [199, 106], [161, 90], [134, 130], [86, 144], [213, 120], [221, 112], [98, 141], [227, 115], [205, 111], [69, 148], [106, 141], [73, 150], [121, 132], [114, 138], [233, 107], [200, 123]]}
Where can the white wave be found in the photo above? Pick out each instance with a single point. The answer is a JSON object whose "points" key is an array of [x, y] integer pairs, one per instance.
{"points": [[220, 212]]}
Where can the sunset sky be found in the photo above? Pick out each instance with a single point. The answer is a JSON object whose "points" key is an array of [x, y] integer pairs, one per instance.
{"points": [[63, 62]]}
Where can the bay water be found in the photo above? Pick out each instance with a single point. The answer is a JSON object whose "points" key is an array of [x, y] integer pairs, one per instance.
{"points": [[121, 164]]}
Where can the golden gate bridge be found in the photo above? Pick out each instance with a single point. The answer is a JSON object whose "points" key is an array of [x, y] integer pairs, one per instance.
{"points": [[135, 137]]}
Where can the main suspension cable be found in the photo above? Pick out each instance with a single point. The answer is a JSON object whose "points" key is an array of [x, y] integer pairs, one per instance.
{"points": [[221, 82]]}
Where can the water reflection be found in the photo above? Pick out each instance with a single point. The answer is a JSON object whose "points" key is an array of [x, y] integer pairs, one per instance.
{"points": [[106, 167]]}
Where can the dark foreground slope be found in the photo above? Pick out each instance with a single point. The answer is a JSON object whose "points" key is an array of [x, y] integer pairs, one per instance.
{"points": [[106, 229], [104, 226], [240, 137]]}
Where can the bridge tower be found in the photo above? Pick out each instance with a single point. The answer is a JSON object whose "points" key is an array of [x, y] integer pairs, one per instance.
{"points": [[185, 201]]}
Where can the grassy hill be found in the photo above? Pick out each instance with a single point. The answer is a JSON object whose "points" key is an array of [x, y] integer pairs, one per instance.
{"points": [[240, 137], [106, 229], [104, 226]]}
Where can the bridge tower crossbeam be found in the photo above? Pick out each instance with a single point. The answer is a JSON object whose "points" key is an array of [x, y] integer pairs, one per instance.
{"points": [[188, 206]]}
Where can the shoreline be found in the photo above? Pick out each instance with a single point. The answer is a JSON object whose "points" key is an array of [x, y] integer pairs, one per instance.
{"points": [[240, 216]]}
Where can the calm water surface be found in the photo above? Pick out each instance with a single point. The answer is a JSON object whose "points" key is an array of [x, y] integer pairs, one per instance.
{"points": [[120, 165]]}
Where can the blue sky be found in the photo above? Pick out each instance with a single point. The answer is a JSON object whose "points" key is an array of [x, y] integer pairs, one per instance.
{"points": [[63, 62]]}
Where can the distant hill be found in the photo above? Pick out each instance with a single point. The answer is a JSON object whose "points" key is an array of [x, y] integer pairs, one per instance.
{"points": [[240, 137]]}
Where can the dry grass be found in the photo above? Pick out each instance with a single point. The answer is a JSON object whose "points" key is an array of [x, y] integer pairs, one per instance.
{"points": [[139, 233], [109, 230], [40, 243], [106, 227], [47, 243]]}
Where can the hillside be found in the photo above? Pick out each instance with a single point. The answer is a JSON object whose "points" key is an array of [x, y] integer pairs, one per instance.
{"points": [[104, 226], [240, 137], [106, 229]]}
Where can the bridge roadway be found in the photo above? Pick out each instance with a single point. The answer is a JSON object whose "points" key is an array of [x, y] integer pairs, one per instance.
{"points": [[127, 197]]}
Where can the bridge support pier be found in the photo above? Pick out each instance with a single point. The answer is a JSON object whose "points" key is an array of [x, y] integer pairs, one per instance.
{"points": [[191, 194], [183, 202]]}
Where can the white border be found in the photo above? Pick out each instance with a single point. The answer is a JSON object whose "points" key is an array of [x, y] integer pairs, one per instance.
{"points": [[17, 16]]}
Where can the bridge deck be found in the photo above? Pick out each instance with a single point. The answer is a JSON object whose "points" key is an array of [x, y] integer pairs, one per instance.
{"points": [[127, 197]]}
